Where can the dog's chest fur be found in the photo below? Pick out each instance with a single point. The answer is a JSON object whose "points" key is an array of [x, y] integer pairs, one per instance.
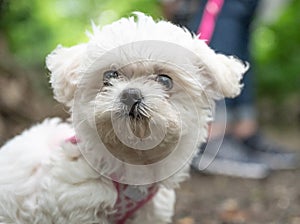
{"points": [[52, 182]]}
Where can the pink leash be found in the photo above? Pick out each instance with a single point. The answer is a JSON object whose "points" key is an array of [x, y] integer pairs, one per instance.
{"points": [[208, 21]]}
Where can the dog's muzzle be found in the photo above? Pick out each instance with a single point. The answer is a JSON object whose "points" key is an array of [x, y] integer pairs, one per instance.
{"points": [[132, 98]]}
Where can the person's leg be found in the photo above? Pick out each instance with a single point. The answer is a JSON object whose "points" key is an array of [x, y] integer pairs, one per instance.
{"points": [[231, 36]]}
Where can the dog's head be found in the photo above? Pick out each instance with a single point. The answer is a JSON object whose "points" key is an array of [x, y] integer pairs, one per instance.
{"points": [[146, 87]]}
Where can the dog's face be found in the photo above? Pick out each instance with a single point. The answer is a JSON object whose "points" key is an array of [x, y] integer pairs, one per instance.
{"points": [[135, 115], [146, 94]]}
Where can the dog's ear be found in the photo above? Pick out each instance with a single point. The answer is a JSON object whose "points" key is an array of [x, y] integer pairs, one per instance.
{"points": [[64, 66], [224, 73]]}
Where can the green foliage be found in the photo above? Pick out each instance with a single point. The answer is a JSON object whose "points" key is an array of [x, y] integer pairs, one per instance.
{"points": [[277, 54], [34, 28]]}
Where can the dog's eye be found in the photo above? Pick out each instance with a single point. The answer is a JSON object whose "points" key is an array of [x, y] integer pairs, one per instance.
{"points": [[108, 75], [165, 80]]}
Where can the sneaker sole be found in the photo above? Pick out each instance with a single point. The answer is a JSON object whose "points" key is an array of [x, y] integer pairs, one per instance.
{"points": [[230, 168]]}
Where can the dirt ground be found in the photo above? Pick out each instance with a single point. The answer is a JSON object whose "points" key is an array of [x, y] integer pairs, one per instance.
{"points": [[209, 199]]}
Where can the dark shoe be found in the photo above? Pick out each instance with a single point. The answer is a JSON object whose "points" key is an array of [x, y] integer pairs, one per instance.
{"points": [[269, 153], [229, 158]]}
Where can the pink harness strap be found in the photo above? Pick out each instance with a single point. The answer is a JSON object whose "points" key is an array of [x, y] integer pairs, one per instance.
{"points": [[72, 140], [130, 198], [127, 205], [208, 21]]}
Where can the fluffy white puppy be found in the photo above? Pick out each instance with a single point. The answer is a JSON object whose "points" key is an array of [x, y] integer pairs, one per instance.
{"points": [[140, 94]]}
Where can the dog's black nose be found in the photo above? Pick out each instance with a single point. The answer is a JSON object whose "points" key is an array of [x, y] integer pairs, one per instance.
{"points": [[131, 96]]}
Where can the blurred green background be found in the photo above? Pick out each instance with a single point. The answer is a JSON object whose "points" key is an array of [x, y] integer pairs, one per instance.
{"points": [[29, 30], [33, 28]]}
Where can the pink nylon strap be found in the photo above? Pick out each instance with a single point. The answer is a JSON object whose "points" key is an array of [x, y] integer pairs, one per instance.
{"points": [[125, 206], [208, 21], [73, 140]]}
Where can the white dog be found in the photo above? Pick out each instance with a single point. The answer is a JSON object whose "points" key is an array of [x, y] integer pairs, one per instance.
{"points": [[139, 93]]}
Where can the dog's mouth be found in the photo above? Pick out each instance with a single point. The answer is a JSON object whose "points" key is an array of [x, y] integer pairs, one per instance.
{"points": [[134, 105], [136, 110]]}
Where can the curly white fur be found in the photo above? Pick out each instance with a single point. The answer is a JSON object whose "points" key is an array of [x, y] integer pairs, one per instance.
{"points": [[44, 179]]}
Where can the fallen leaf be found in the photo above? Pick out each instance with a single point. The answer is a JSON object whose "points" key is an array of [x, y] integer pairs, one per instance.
{"points": [[186, 220]]}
